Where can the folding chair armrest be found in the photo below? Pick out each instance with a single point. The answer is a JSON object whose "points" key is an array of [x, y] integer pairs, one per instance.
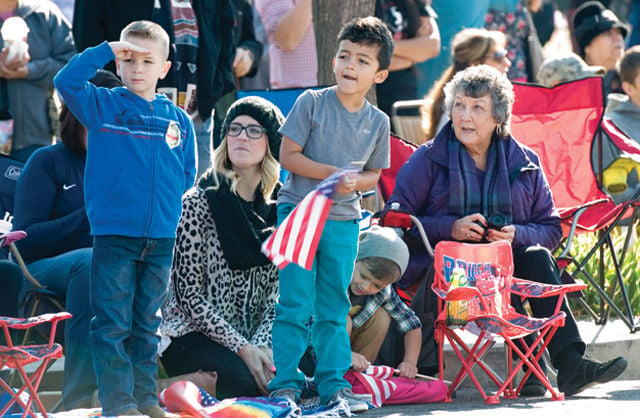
{"points": [[568, 213], [10, 237], [529, 289], [574, 214], [24, 323], [396, 218]]}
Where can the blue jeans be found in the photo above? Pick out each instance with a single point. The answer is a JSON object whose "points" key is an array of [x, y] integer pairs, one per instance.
{"points": [[129, 278], [204, 130], [323, 293], [68, 275]]}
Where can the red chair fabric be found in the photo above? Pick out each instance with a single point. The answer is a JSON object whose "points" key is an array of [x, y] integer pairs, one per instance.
{"points": [[564, 126], [489, 268], [400, 151], [17, 357]]}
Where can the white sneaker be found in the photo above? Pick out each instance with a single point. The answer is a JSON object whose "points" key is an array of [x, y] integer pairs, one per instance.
{"points": [[353, 401], [291, 396]]}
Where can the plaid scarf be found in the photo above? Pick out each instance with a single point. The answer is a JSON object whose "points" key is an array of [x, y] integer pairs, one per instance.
{"points": [[466, 196]]}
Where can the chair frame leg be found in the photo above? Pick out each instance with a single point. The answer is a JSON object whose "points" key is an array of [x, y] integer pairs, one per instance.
{"points": [[470, 357], [30, 385], [605, 241]]}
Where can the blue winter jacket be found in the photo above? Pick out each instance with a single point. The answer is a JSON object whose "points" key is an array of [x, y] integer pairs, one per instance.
{"points": [[140, 157], [422, 189]]}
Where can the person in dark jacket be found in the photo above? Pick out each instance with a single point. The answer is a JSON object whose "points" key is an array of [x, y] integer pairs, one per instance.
{"points": [[49, 206], [248, 52], [475, 183]]}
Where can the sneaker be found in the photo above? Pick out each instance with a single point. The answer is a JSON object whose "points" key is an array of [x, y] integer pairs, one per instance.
{"points": [[130, 413], [589, 373], [533, 387], [154, 411], [353, 401], [290, 396]]}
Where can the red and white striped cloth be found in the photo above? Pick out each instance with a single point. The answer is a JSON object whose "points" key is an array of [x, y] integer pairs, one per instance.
{"points": [[296, 239], [376, 380]]}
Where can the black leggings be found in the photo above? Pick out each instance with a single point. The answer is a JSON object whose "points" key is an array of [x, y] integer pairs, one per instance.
{"points": [[195, 351]]}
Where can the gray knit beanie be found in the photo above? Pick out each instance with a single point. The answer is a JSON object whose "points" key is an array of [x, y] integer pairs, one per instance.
{"points": [[264, 112], [382, 242]]}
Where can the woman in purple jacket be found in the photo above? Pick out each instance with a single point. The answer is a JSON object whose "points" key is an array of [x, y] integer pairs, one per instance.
{"points": [[475, 183]]}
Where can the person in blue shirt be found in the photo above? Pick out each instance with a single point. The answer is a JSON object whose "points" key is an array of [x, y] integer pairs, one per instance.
{"points": [[140, 159]]}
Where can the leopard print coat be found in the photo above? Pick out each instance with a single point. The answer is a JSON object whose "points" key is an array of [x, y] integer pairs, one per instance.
{"points": [[232, 307]]}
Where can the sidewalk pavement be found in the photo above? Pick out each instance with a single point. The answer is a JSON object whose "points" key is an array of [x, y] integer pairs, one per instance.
{"points": [[604, 342], [621, 397]]}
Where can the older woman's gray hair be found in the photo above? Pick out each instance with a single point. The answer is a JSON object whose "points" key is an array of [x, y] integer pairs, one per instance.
{"points": [[478, 81]]}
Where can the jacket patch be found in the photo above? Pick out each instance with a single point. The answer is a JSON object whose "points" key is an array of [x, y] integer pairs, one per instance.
{"points": [[173, 135]]}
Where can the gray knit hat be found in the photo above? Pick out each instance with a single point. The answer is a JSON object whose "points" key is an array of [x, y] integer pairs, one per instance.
{"points": [[264, 112], [558, 69], [382, 242]]}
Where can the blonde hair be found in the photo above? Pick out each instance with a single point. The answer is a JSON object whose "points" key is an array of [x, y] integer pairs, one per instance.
{"points": [[470, 47], [269, 169], [145, 29]]}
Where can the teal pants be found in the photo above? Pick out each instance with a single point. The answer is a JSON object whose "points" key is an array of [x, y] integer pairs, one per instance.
{"points": [[321, 292]]}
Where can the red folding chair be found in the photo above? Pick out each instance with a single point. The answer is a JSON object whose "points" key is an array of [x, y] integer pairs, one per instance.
{"points": [[489, 315], [564, 126], [39, 297], [16, 357], [400, 151]]}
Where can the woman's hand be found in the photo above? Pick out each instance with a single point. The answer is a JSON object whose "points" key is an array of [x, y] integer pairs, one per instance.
{"points": [[259, 361], [359, 363], [507, 232], [469, 228], [407, 369]]}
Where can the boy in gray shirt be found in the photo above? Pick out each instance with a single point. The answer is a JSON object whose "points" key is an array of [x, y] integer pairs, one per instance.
{"points": [[327, 130]]}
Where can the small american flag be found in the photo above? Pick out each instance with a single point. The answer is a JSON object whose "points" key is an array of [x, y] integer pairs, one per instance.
{"points": [[296, 239], [380, 372], [377, 381]]}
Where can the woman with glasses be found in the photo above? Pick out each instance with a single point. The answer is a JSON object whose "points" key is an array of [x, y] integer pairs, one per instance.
{"points": [[223, 290], [470, 47]]}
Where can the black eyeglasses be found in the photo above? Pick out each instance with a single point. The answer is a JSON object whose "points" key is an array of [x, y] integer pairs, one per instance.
{"points": [[253, 131]]}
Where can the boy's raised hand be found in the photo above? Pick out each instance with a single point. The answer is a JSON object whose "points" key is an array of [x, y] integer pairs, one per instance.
{"points": [[123, 50]]}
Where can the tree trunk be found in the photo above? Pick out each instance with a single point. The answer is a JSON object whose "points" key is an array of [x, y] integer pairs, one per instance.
{"points": [[328, 18]]}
